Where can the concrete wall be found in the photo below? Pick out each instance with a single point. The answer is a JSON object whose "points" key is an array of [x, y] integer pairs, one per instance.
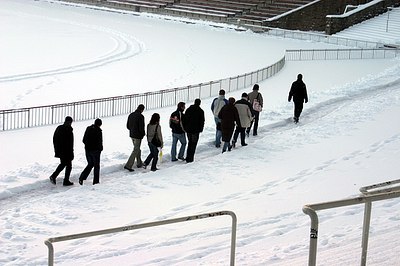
{"points": [[312, 17]]}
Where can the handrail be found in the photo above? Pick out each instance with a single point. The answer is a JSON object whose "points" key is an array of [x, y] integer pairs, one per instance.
{"points": [[49, 242], [384, 187], [311, 210]]}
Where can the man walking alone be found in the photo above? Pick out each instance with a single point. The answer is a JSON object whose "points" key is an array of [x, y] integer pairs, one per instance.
{"points": [[299, 93]]}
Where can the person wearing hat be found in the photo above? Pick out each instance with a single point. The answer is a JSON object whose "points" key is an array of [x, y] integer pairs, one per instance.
{"points": [[93, 140], [256, 101], [63, 141], [245, 116], [298, 92]]}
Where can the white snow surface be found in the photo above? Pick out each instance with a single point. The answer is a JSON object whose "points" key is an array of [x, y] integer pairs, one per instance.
{"points": [[348, 137]]}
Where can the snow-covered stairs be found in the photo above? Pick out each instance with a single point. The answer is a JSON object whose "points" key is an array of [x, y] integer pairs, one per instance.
{"points": [[384, 28]]}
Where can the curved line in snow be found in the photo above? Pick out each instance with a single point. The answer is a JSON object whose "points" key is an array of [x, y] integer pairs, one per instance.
{"points": [[126, 47]]}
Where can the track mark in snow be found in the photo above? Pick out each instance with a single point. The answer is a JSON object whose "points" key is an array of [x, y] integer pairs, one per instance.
{"points": [[126, 46]]}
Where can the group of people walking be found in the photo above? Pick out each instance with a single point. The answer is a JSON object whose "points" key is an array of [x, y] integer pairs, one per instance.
{"points": [[236, 117], [183, 125], [232, 118]]}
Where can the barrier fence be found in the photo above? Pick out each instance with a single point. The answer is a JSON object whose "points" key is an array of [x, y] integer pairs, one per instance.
{"points": [[113, 106], [49, 242], [314, 37], [341, 54], [377, 192]]}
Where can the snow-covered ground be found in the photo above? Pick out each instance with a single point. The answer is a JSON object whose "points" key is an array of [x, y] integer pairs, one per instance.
{"points": [[348, 137]]}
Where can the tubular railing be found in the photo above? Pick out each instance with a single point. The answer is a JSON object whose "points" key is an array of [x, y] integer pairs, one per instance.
{"points": [[49, 242], [113, 106], [315, 37], [368, 197], [341, 54]]}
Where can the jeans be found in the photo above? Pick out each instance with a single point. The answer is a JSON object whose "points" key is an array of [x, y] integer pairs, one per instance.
{"points": [[218, 133], [136, 154], [93, 159], [182, 140], [193, 138], [153, 156]]}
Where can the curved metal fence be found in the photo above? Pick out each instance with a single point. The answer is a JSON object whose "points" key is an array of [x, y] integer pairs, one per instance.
{"points": [[113, 106], [341, 54]]}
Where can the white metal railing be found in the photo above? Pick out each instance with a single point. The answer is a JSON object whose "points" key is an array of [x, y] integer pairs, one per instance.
{"points": [[370, 194], [113, 106], [312, 36], [49, 242], [341, 54]]}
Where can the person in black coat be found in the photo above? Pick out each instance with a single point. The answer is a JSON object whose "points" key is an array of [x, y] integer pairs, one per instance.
{"points": [[135, 124], [63, 141], [93, 140], [193, 124], [229, 115], [299, 93], [175, 123]]}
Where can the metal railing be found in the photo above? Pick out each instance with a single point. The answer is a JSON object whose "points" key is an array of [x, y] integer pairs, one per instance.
{"points": [[49, 242], [113, 106], [370, 194], [341, 54], [314, 37]]}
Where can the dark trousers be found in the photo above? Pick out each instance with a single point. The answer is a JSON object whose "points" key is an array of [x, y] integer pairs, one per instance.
{"points": [[298, 108], [242, 131], [255, 122], [64, 163], [153, 156], [93, 159], [193, 138]]}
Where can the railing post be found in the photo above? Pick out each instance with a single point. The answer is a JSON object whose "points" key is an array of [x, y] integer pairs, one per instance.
{"points": [[312, 256], [51, 252], [365, 233]]}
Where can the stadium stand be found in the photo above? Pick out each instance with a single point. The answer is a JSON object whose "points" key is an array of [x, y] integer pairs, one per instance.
{"points": [[259, 15]]}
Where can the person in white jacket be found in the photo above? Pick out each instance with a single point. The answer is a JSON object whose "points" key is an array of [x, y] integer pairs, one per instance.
{"points": [[245, 116]]}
